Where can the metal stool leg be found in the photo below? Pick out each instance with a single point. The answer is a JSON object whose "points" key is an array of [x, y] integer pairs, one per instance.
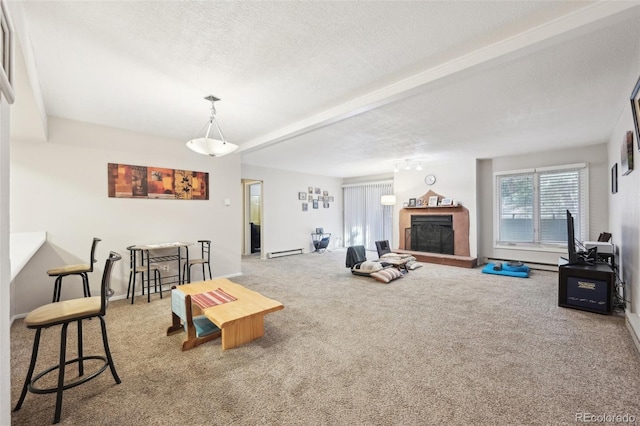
{"points": [[105, 341], [209, 266], [56, 289], [27, 381], [63, 358]]}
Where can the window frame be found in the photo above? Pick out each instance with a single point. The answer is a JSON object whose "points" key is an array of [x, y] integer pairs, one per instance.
{"points": [[582, 217]]}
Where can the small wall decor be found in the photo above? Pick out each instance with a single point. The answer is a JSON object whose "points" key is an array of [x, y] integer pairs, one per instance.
{"points": [[635, 109], [302, 195], [614, 178], [305, 207], [129, 181], [315, 204], [626, 156]]}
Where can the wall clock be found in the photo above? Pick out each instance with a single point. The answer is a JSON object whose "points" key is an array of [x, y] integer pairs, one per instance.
{"points": [[430, 179]]}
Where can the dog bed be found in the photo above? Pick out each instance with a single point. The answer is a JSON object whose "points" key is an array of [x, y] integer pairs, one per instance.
{"points": [[498, 268]]}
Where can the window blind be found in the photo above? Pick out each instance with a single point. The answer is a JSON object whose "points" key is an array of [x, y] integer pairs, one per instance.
{"points": [[532, 204], [366, 220]]}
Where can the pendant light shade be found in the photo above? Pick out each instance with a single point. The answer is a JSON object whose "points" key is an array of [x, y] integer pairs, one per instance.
{"points": [[214, 147]]}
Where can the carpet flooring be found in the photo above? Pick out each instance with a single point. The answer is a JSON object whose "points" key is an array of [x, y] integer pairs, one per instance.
{"points": [[442, 345]]}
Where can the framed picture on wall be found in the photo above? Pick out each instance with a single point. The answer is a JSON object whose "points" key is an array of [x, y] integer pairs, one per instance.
{"points": [[614, 178], [302, 195], [635, 109], [626, 154]]}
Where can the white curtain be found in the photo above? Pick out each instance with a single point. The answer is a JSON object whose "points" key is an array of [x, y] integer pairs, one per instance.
{"points": [[366, 220]]}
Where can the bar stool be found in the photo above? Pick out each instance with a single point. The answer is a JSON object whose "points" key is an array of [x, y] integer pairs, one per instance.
{"points": [[63, 313], [205, 246], [141, 268], [80, 269]]}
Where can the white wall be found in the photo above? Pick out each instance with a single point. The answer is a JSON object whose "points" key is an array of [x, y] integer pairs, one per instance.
{"points": [[5, 267], [285, 226], [624, 221], [599, 171], [60, 187], [456, 180]]}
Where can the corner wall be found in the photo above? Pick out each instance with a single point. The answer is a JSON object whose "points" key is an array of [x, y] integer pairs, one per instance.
{"points": [[624, 221], [60, 187]]}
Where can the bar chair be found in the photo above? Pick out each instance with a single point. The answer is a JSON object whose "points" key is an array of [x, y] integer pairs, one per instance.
{"points": [[79, 269], [140, 267], [205, 246], [63, 313]]}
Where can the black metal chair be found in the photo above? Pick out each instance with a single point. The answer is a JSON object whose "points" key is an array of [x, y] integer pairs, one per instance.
{"points": [[205, 247], [63, 313], [321, 244], [140, 267], [80, 269], [382, 247]]}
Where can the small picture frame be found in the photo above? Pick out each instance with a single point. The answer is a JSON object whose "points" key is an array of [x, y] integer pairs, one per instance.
{"points": [[325, 193], [626, 158], [302, 195], [310, 190], [305, 207], [320, 231], [325, 205], [317, 191], [405, 204], [433, 201], [635, 109], [315, 204], [614, 179], [446, 202], [310, 199], [412, 202], [331, 198], [418, 202]]}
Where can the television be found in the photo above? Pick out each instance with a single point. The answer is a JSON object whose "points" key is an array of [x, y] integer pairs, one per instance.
{"points": [[576, 257]]}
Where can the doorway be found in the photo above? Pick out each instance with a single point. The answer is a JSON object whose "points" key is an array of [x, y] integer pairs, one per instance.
{"points": [[253, 226]]}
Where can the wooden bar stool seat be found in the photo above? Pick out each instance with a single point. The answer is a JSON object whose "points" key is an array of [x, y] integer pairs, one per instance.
{"points": [[82, 269]]}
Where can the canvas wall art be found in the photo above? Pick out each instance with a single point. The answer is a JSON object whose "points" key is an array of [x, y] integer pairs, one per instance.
{"points": [[131, 181]]}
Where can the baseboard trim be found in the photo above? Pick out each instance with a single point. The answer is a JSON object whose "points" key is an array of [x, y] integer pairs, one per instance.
{"points": [[633, 324]]}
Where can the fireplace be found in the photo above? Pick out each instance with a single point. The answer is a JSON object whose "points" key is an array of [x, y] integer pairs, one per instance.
{"points": [[432, 233]]}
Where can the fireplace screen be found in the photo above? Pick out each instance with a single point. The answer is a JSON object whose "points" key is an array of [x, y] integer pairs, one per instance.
{"points": [[432, 234]]}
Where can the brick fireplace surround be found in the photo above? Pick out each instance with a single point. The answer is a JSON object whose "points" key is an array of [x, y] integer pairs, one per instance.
{"points": [[460, 214]]}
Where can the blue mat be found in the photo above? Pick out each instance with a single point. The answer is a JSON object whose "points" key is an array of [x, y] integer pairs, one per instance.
{"points": [[511, 271]]}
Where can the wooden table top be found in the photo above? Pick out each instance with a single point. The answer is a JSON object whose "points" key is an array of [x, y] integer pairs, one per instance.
{"points": [[248, 302]]}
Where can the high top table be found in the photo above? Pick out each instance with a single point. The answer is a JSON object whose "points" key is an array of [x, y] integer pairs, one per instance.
{"points": [[239, 321], [157, 257]]}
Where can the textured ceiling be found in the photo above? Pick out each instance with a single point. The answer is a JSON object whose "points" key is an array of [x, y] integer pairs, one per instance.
{"points": [[363, 83]]}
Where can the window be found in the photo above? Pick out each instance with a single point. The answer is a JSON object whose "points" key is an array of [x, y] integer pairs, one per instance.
{"points": [[366, 220], [532, 204]]}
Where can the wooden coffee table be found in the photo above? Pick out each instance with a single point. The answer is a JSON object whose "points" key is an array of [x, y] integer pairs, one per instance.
{"points": [[240, 321]]}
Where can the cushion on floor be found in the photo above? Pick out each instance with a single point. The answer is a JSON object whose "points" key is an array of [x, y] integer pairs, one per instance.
{"points": [[511, 271]]}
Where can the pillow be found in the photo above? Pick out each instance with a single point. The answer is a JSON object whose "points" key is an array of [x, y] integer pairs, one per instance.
{"points": [[387, 275], [368, 266]]}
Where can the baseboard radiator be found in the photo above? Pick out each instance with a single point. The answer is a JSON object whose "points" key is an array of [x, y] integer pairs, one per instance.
{"points": [[291, 252]]}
